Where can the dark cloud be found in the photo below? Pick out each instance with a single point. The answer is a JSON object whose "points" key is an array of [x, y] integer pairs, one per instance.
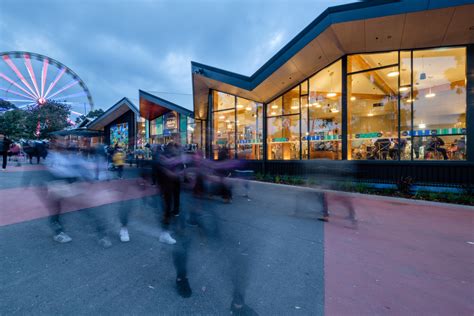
{"points": [[118, 47]]}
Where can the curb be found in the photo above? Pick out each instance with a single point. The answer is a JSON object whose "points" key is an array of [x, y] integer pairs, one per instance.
{"points": [[372, 196]]}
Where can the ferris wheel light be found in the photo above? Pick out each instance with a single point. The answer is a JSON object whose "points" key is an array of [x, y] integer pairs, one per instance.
{"points": [[32, 86]]}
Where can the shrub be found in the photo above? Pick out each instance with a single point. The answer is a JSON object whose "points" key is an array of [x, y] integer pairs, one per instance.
{"points": [[404, 185]]}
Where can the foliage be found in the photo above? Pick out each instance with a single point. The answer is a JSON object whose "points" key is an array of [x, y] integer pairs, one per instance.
{"points": [[5, 105], [13, 123], [91, 115], [404, 185], [51, 117]]}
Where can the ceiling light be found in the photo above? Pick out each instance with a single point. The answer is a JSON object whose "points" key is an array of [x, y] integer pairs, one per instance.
{"points": [[222, 117], [240, 106], [393, 74], [353, 98], [422, 125], [318, 105], [403, 89], [409, 100], [331, 94], [274, 106], [249, 108], [227, 121], [229, 126], [272, 113], [370, 114], [294, 107], [334, 110]]}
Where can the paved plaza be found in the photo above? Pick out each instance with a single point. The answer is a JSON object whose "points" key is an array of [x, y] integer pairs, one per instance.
{"points": [[402, 257]]}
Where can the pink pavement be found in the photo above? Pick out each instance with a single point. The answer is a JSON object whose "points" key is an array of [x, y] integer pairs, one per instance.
{"points": [[11, 167], [403, 258], [23, 204]]}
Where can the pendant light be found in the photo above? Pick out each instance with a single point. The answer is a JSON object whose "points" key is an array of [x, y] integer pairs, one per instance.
{"points": [[331, 94], [393, 73]]}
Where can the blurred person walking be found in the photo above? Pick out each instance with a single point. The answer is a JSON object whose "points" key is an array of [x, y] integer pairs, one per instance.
{"points": [[5, 143], [65, 170], [119, 161]]}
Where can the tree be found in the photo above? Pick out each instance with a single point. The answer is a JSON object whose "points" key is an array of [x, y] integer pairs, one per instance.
{"points": [[91, 115], [49, 117], [5, 105], [13, 124]]}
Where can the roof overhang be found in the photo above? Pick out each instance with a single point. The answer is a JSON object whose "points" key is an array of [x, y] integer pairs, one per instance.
{"points": [[152, 106], [113, 113], [372, 26]]}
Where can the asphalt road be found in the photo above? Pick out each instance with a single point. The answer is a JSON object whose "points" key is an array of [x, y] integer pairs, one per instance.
{"points": [[283, 252]]}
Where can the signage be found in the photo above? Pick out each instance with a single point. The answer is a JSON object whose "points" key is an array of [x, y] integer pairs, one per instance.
{"points": [[280, 139]]}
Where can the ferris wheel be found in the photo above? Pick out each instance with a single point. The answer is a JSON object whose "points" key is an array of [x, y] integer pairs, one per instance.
{"points": [[29, 80]]}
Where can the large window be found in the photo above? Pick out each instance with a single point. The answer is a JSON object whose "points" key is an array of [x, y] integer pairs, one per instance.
{"points": [[249, 129], [223, 143], [283, 127], [324, 108], [407, 105], [372, 114], [237, 127], [439, 104]]}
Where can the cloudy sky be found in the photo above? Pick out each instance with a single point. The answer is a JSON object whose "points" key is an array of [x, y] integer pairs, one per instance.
{"points": [[120, 46]]}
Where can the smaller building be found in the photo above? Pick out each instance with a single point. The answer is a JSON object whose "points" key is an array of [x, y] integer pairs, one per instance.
{"points": [[165, 121], [120, 124]]}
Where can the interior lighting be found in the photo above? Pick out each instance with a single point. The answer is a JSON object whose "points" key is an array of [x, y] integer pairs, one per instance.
{"points": [[392, 74], [422, 125], [274, 106], [318, 105], [334, 110], [353, 98], [222, 117], [294, 107], [249, 108], [272, 113], [240, 106], [430, 94], [403, 89], [370, 114], [331, 94]]}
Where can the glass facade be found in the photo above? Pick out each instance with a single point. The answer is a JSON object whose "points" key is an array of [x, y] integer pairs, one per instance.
{"points": [[237, 127], [399, 105]]}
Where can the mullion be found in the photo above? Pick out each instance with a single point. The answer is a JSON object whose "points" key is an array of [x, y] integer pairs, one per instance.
{"points": [[372, 69]]}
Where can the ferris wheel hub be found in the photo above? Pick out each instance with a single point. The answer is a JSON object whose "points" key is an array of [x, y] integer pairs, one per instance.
{"points": [[41, 101]]}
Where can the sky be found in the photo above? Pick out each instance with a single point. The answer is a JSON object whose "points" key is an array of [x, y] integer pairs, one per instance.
{"points": [[117, 47]]}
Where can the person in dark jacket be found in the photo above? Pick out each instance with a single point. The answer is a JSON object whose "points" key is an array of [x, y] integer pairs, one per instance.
{"points": [[5, 143]]}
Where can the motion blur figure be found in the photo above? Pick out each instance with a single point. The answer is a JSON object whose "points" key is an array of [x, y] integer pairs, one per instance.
{"points": [[208, 225], [66, 169], [325, 175]]}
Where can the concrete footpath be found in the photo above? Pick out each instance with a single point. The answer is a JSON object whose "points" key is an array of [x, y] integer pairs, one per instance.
{"points": [[401, 257]]}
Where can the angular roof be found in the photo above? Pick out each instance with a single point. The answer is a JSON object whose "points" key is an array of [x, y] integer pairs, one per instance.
{"points": [[113, 113], [370, 26], [152, 106]]}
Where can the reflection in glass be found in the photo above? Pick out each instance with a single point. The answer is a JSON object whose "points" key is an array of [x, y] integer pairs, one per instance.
{"points": [[223, 101], [224, 132], [283, 138], [439, 102], [373, 115], [249, 129], [325, 113]]}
